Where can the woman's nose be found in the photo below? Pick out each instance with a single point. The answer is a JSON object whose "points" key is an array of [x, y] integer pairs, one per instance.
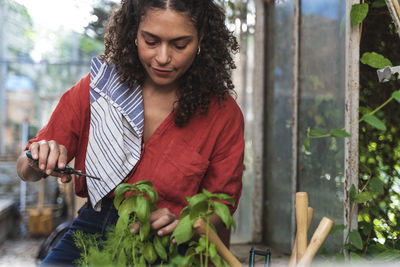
{"points": [[163, 57]]}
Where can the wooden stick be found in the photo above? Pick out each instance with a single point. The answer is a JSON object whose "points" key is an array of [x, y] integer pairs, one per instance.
{"points": [[396, 7], [317, 240], [293, 256], [301, 223], [200, 227]]}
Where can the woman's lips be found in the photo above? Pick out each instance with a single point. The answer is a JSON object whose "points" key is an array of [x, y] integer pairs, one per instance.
{"points": [[162, 72]]}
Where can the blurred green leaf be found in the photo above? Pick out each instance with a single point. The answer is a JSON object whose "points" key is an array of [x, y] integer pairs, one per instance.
{"points": [[363, 197], [377, 185], [375, 60], [396, 96], [149, 253], [375, 122], [355, 239], [339, 133], [144, 231], [159, 248], [353, 192], [339, 228], [358, 13], [378, 4], [355, 258], [307, 145], [317, 132], [388, 255]]}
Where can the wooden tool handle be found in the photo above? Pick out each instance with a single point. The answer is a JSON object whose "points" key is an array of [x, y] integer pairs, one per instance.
{"points": [[200, 227], [301, 223], [293, 256], [41, 195], [396, 7], [318, 238]]}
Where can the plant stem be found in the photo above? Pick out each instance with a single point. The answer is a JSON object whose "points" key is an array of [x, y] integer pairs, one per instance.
{"points": [[353, 123], [207, 231]]}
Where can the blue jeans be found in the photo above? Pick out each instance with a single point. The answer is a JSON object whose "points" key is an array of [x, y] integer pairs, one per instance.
{"points": [[88, 221]]}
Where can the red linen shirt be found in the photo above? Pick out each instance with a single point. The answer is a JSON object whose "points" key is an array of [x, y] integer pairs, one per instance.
{"points": [[179, 161]]}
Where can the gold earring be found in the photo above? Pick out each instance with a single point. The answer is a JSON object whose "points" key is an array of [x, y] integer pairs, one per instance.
{"points": [[198, 50], [136, 42]]}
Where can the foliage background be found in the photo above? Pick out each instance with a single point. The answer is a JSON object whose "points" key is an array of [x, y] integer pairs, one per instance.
{"points": [[379, 150]]}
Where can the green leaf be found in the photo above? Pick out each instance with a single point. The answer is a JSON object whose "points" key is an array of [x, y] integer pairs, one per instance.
{"points": [[118, 199], [143, 208], [363, 197], [144, 231], [375, 122], [149, 191], [307, 145], [354, 257], [212, 250], [355, 239], [122, 189], [225, 197], [377, 185], [388, 255], [198, 205], [128, 205], [378, 4], [337, 229], [141, 182], [149, 253], [339, 133], [375, 60], [160, 248], [317, 132], [165, 240], [184, 230], [358, 13], [223, 212], [353, 192], [396, 95], [122, 223]]}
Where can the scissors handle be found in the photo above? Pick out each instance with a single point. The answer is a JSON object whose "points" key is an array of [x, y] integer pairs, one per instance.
{"points": [[66, 170]]}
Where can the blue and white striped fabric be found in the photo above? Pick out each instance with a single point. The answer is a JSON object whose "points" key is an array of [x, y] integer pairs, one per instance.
{"points": [[116, 129]]}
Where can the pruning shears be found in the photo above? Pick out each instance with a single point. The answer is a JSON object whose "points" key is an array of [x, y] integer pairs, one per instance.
{"points": [[67, 170]]}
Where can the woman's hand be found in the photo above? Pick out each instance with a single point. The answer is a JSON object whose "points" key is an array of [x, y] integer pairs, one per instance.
{"points": [[162, 220], [49, 154]]}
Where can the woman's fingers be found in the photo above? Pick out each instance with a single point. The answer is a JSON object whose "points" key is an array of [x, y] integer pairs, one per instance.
{"points": [[50, 155], [168, 229], [66, 178], [162, 220]]}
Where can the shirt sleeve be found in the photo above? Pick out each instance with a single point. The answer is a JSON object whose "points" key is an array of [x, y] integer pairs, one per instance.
{"points": [[65, 122], [224, 174]]}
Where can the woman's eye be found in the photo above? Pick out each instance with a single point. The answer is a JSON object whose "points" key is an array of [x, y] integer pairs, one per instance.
{"points": [[150, 43], [180, 47]]}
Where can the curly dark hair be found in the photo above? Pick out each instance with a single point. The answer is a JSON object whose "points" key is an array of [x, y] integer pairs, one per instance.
{"points": [[210, 73]]}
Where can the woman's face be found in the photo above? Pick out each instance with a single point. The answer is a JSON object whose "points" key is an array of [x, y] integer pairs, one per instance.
{"points": [[167, 46]]}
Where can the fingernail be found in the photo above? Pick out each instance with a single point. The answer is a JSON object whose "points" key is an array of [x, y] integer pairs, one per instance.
{"points": [[160, 232], [42, 166], [61, 165], [48, 172]]}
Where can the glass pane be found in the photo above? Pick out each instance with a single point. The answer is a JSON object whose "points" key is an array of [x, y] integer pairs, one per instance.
{"points": [[322, 89], [278, 116]]}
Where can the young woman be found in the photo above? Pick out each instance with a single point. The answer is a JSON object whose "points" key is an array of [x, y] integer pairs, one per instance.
{"points": [[155, 106]]}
